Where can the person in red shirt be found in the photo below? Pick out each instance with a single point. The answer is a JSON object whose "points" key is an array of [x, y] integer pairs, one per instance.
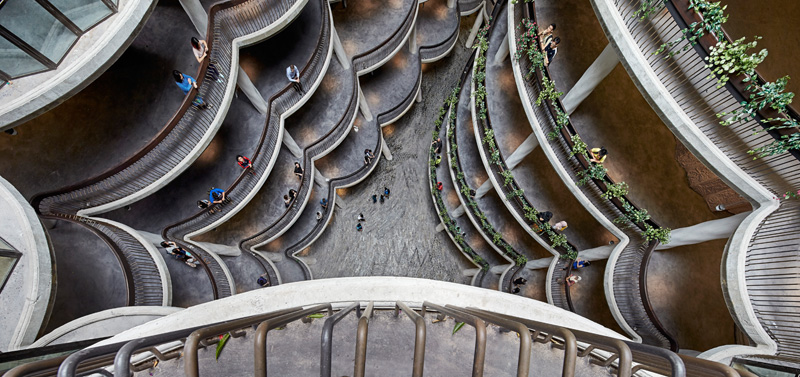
{"points": [[245, 163]]}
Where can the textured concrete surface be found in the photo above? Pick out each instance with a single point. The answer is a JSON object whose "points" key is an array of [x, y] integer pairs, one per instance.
{"points": [[129, 104], [589, 298], [407, 248], [433, 20], [389, 85], [366, 23], [89, 275]]}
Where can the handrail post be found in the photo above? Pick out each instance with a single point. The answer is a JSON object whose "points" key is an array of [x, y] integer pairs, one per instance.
{"points": [[419, 338], [326, 347], [524, 363], [479, 356], [260, 343], [360, 363]]}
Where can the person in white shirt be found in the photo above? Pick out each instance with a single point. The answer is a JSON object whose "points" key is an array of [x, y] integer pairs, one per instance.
{"points": [[200, 49]]}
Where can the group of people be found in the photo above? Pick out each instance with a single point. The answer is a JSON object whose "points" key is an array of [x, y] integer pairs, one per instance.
{"points": [[573, 279], [384, 196], [549, 43], [518, 282], [544, 218]]}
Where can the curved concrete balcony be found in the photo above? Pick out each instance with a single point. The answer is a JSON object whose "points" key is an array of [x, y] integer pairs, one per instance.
{"points": [[433, 17], [27, 284], [191, 129], [96, 50], [281, 105], [678, 90]]}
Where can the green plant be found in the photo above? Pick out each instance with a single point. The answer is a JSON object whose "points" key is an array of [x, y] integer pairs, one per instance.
{"points": [[647, 8], [595, 171], [731, 58], [557, 240], [651, 233], [508, 177], [548, 91], [458, 326], [712, 20], [521, 260], [615, 190], [223, 339], [512, 193], [578, 147], [632, 214], [562, 119]]}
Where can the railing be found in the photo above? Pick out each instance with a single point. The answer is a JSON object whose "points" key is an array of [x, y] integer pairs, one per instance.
{"points": [[188, 128], [310, 153], [469, 6], [627, 357], [685, 78], [436, 196], [368, 60], [247, 183], [519, 202], [629, 283], [771, 271], [142, 278]]}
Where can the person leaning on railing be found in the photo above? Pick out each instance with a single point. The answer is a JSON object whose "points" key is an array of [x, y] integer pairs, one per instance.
{"points": [[200, 49], [186, 83], [551, 49]]}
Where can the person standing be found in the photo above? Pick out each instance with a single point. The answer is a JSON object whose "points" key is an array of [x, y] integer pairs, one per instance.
{"points": [[200, 49], [599, 155], [245, 163], [293, 74], [186, 83], [298, 170], [263, 281], [551, 50], [216, 195]]}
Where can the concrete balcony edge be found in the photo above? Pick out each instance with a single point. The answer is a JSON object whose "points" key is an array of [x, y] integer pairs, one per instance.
{"points": [[72, 77], [32, 278], [544, 143]]}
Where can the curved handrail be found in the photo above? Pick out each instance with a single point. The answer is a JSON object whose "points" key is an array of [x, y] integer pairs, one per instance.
{"points": [[310, 153], [633, 303], [369, 60], [181, 134], [737, 88], [435, 50], [278, 103], [142, 277]]}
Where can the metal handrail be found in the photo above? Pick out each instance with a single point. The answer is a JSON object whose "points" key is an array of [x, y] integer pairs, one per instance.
{"points": [[479, 357], [326, 347], [360, 364], [524, 362], [419, 337], [636, 310], [260, 344]]}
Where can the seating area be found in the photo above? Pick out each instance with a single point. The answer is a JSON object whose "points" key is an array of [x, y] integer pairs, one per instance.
{"points": [[597, 164]]}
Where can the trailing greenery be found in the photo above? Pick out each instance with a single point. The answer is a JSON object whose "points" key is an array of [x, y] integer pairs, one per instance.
{"points": [[712, 20], [528, 45], [594, 171], [447, 221], [513, 191]]}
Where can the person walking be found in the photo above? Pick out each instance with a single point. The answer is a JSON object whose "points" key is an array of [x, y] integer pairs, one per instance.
{"points": [[298, 170], [179, 253], [359, 227], [286, 201], [386, 191], [520, 281], [319, 215], [292, 194], [368, 156], [263, 281], [599, 155], [438, 160], [572, 280], [293, 74], [245, 163], [560, 226], [186, 83], [437, 145], [361, 217], [323, 203], [200, 49]]}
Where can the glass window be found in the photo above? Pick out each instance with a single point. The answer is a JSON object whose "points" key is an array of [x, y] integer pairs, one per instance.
{"points": [[37, 27], [84, 13], [15, 62]]}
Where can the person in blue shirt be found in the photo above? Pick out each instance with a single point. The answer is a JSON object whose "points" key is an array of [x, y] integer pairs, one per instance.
{"points": [[216, 195], [186, 83]]}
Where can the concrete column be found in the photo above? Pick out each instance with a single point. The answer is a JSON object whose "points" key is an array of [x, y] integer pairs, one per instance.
{"points": [[440, 227], [338, 49], [412, 40], [498, 270], [320, 179], [523, 150], [419, 95], [484, 189], [458, 212], [340, 201], [197, 14], [591, 255], [249, 90], [705, 231], [502, 51], [289, 142], [364, 106], [593, 76], [470, 272], [475, 28], [385, 149]]}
